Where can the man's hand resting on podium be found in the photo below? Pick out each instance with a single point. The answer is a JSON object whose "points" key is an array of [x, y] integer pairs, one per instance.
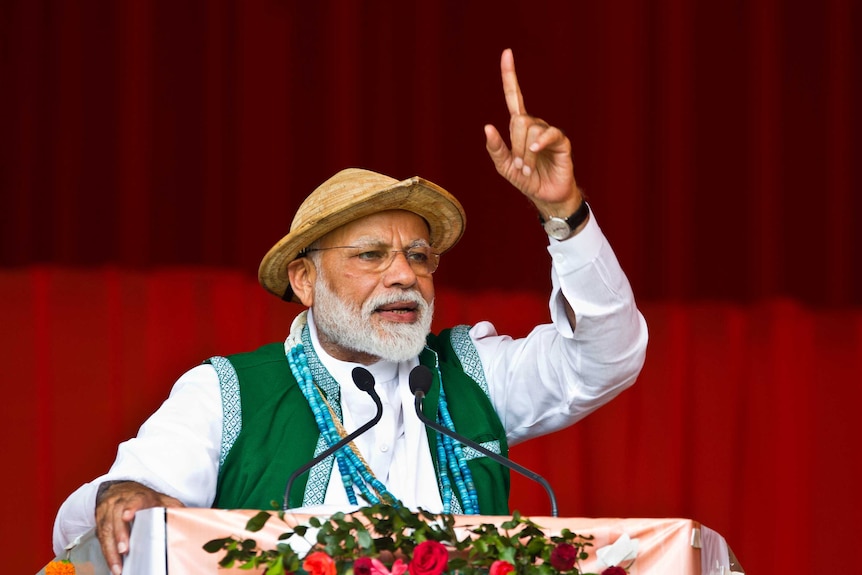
{"points": [[116, 505]]}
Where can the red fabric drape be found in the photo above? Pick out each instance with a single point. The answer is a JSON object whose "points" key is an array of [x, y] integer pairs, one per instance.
{"points": [[715, 140], [744, 417]]}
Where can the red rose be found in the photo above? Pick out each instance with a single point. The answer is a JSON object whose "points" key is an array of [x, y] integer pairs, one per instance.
{"points": [[429, 558], [362, 566], [614, 571], [500, 567], [563, 557], [319, 563]]}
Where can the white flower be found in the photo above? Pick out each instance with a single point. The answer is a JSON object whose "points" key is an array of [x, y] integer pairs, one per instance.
{"points": [[623, 549]]}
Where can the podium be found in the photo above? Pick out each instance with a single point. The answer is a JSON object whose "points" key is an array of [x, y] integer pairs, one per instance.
{"points": [[169, 541]]}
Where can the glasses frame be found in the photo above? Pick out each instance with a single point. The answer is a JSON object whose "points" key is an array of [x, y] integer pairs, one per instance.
{"points": [[434, 257]]}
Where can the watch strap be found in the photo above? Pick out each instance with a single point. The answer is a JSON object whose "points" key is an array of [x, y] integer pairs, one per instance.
{"points": [[577, 218]]}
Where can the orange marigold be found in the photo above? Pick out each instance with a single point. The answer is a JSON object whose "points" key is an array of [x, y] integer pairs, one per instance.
{"points": [[62, 567]]}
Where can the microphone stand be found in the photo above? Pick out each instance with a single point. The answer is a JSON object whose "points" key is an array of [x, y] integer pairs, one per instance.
{"points": [[364, 381], [419, 388]]}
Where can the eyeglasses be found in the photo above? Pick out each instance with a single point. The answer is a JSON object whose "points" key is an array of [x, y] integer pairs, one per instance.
{"points": [[377, 258]]}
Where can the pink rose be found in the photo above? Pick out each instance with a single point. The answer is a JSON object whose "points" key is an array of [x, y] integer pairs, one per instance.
{"points": [[366, 566], [614, 571], [563, 557], [429, 558], [398, 568], [500, 567], [319, 563]]}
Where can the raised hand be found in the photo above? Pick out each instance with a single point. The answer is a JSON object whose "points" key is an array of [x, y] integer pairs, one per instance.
{"points": [[539, 162]]}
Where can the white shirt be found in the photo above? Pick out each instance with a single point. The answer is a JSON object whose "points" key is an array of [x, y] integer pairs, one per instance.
{"points": [[539, 384]]}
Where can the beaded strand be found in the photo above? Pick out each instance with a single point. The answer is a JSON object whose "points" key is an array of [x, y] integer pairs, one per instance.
{"points": [[299, 367], [445, 484], [457, 462]]}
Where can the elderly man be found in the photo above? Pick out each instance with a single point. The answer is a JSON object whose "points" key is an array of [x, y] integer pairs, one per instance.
{"points": [[360, 255]]}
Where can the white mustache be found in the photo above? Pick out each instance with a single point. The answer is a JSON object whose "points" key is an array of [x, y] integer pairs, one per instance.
{"points": [[394, 297]]}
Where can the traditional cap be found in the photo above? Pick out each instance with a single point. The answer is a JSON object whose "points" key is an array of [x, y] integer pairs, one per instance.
{"points": [[352, 194]]}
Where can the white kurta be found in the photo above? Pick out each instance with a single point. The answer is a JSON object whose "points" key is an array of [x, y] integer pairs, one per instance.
{"points": [[539, 384]]}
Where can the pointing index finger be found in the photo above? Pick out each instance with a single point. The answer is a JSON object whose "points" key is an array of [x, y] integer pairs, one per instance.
{"points": [[511, 89]]}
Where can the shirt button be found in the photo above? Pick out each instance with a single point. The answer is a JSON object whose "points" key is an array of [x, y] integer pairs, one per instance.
{"points": [[384, 447]]}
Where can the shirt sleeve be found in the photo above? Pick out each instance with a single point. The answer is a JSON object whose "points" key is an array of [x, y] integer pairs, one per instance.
{"points": [[176, 452], [558, 375]]}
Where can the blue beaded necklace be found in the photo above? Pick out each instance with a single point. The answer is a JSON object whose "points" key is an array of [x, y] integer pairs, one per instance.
{"points": [[355, 471], [451, 456]]}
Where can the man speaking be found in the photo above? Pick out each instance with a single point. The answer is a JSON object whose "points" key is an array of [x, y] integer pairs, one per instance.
{"points": [[360, 255]]}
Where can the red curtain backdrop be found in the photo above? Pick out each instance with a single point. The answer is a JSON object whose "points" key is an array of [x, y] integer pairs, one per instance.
{"points": [[151, 152]]}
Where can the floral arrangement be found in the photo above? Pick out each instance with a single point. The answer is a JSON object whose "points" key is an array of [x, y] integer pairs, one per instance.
{"points": [[388, 540]]}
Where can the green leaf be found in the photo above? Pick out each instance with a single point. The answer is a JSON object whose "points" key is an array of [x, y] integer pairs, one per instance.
{"points": [[508, 555], [275, 569], [257, 522], [216, 545], [457, 564], [510, 524], [365, 540]]}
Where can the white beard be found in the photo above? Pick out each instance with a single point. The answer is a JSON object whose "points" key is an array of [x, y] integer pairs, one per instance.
{"points": [[356, 329]]}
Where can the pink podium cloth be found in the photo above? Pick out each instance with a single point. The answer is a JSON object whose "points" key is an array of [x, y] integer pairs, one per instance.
{"points": [[665, 545]]}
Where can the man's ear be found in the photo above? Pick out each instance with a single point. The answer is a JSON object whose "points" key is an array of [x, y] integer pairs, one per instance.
{"points": [[302, 274]]}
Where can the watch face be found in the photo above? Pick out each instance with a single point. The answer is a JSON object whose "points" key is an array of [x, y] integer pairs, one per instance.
{"points": [[557, 228]]}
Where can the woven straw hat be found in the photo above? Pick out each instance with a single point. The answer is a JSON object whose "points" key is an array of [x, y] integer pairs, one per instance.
{"points": [[352, 194]]}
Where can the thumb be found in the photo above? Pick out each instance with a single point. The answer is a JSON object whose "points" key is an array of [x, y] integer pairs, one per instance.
{"points": [[168, 501]]}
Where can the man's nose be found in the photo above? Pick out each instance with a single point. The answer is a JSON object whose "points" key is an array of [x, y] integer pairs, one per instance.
{"points": [[399, 272]]}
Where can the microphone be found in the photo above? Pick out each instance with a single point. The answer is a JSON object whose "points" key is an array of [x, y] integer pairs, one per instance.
{"points": [[365, 382], [420, 383]]}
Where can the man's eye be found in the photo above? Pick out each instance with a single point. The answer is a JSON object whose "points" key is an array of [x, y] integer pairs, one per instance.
{"points": [[371, 255], [419, 257]]}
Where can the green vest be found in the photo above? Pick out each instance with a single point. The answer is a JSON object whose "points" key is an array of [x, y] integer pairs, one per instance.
{"points": [[269, 430]]}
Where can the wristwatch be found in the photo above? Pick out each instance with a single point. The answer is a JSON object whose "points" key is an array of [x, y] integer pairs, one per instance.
{"points": [[561, 229]]}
